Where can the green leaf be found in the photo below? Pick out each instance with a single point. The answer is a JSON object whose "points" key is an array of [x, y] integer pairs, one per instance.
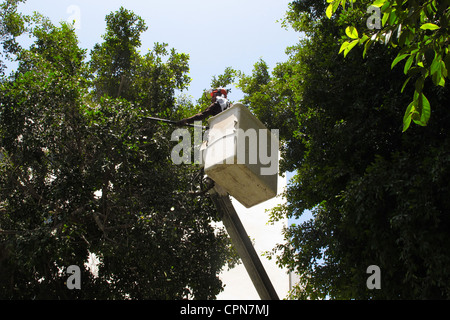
{"points": [[364, 39], [392, 17], [343, 2], [403, 36], [419, 111], [444, 70], [385, 18], [424, 110], [350, 47], [436, 65], [329, 11], [444, 74], [438, 71], [419, 84], [398, 59], [344, 46], [407, 117], [439, 76], [336, 5], [366, 47], [447, 61], [351, 32], [404, 84], [378, 3], [408, 64], [429, 26]]}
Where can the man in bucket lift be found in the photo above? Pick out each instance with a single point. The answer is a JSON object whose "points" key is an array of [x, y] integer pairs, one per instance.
{"points": [[219, 103]]}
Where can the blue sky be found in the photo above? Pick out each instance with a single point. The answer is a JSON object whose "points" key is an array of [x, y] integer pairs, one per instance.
{"points": [[216, 34]]}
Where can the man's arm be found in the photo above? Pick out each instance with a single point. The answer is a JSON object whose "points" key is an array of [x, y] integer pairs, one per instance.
{"points": [[212, 110]]}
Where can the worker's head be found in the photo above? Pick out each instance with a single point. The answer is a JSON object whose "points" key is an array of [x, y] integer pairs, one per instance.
{"points": [[218, 92]]}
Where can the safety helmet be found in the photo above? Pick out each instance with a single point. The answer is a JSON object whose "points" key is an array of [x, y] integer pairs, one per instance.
{"points": [[221, 91]]}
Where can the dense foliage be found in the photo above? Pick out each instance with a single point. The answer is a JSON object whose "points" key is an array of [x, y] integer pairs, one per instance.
{"points": [[420, 29], [377, 196], [82, 172]]}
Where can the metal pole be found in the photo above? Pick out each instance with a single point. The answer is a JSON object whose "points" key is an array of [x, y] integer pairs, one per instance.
{"points": [[243, 244], [173, 122]]}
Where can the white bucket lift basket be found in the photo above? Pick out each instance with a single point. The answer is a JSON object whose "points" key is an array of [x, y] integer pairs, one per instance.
{"points": [[242, 156]]}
